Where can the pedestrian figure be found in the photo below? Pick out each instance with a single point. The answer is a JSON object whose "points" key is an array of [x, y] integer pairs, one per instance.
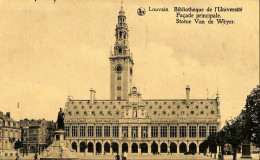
{"points": [[35, 156], [117, 157], [17, 157]]}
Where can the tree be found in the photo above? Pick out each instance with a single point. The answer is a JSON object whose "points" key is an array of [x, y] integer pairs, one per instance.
{"points": [[253, 108], [232, 131]]}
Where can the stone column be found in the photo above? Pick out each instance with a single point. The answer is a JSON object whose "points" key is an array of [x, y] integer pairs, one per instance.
{"points": [[120, 134], [139, 149], [139, 131], [94, 148], [129, 131], [149, 132], [149, 148], [119, 148]]}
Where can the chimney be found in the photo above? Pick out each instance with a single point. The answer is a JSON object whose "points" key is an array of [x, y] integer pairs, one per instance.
{"points": [[187, 94], [92, 95], [8, 114]]}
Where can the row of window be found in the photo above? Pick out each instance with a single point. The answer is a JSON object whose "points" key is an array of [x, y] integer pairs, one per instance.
{"points": [[119, 78], [155, 112], [89, 130], [151, 107]]}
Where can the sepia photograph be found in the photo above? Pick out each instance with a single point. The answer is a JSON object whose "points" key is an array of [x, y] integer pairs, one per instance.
{"points": [[129, 80]]}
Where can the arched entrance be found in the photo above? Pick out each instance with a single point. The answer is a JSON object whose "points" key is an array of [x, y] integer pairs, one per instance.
{"points": [[74, 146], [193, 148], [90, 147], [98, 147], [173, 148], [154, 147], [107, 147], [125, 147], [134, 148], [163, 148], [115, 147], [144, 148], [183, 148], [82, 146]]}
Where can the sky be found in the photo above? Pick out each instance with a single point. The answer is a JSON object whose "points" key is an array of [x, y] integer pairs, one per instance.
{"points": [[51, 50]]}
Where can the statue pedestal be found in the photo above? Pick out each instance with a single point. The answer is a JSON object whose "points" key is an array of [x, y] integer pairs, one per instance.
{"points": [[60, 148], [246, 153]]}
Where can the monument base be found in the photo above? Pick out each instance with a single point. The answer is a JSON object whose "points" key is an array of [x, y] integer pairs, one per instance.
{"points": [[59, 150]]}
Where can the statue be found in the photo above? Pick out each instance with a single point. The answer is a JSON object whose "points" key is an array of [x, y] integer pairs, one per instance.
{"points": [[60, 120]]}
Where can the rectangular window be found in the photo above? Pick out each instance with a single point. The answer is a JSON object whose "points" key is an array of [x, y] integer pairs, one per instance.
{"points": [[82, 131], [134, 131], [90, 131], [74, 131], [192, 131], [183, 131], [115, 131], [154, 130], [125, 131], [107, 131], [118, 98], [144, 131], [118, 88], [173, 131], [98, 131], [202, 131], [163, 131], [212, 130], [118, 78]]}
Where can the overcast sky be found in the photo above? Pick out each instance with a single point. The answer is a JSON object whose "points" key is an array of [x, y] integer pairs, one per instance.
{"points": [[48, 51]]}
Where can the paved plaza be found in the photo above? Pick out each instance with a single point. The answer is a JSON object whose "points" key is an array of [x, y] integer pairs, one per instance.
{"points": [[142, 157]]}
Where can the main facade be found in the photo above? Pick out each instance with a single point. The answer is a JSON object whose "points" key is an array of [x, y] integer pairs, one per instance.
{"points": [[128, 123]]}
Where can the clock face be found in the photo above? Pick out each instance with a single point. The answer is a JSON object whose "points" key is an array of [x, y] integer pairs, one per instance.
{"points": [[119, 68]]}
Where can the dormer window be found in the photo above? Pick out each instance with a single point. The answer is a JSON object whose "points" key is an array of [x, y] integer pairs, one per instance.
{"points": [[101, 112], [90, 107], [201, 112], [212, 112], [188, 107], [169, 107], [85, 112], [79, 102], [106, 107], [75, 107], [114, 107], [82, 107], [164, 102], [155, 112], [173, 112], [160, 107], [197, 107], [77, 112], [192, 112], [98, 107], [206, 107], [164, 112], [151, 107], [211, 102], [201, 102], [109, 112], [146, 103], [93, 112], [178, 107], [155, 102]]}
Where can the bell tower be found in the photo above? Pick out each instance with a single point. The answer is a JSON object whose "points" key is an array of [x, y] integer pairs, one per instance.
{"points": [[121, 62]]}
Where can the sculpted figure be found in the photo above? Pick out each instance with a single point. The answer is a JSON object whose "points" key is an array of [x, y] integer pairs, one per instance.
{"points": [[60, 120]]}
